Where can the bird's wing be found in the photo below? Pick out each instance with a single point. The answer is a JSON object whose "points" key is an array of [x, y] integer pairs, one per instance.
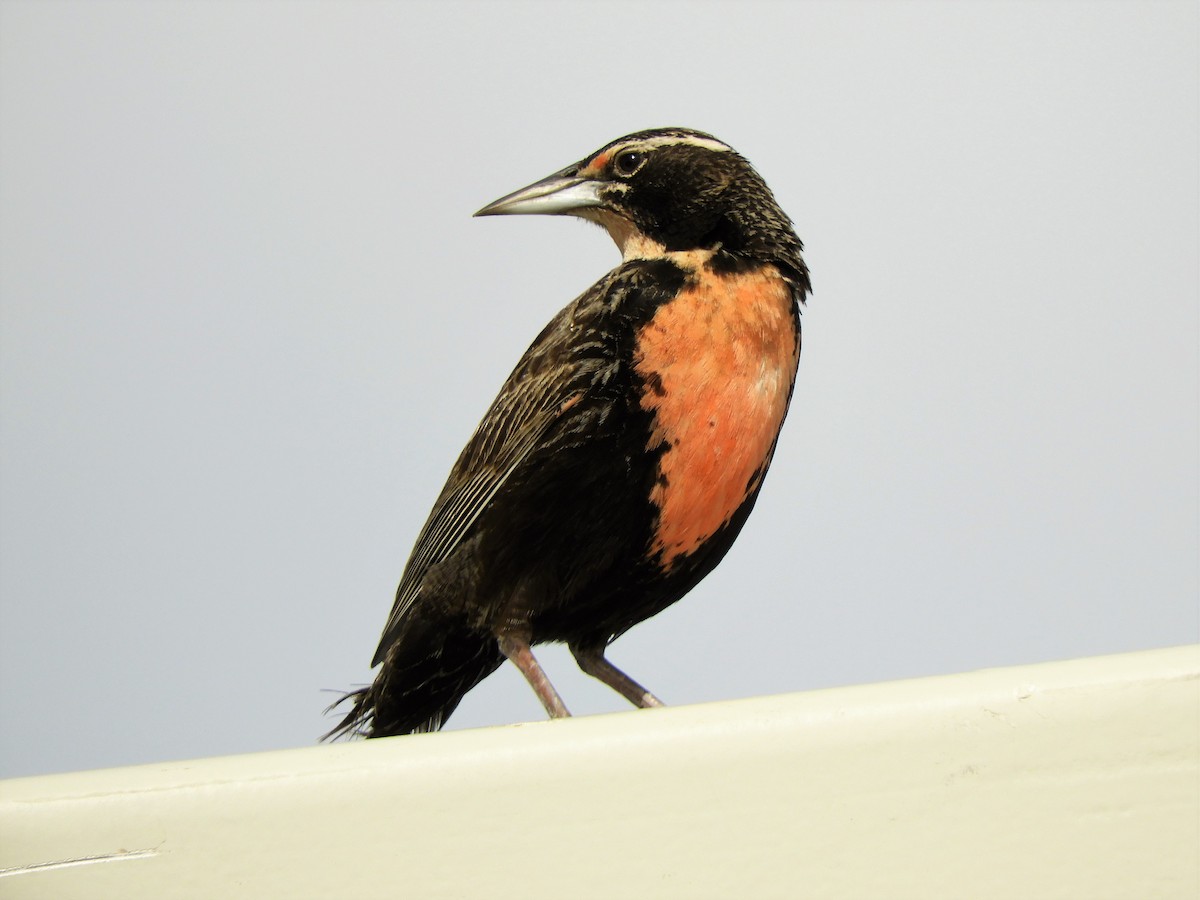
{"points": [[547, 384]]}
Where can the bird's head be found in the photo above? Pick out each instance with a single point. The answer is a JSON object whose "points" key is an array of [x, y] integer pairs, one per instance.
{"points": [[666, 190]]}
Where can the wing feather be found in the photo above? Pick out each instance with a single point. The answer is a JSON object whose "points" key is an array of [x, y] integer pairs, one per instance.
{"points": [[546, 384]]}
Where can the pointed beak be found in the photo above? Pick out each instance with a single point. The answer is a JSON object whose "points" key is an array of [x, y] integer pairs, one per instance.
{"points": [[561, 193]]}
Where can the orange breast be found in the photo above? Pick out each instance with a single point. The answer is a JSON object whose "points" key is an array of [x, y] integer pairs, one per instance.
{"points": [[719, 362]]}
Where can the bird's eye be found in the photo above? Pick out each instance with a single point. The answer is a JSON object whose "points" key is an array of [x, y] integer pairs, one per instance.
{"points": [[628, 162]]}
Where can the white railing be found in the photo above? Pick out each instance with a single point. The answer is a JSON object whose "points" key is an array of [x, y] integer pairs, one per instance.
{"points": [[1078, 779]]}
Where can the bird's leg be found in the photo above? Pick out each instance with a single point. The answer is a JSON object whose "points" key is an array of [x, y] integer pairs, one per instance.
{"points": [[517, 649], [591, 660]]}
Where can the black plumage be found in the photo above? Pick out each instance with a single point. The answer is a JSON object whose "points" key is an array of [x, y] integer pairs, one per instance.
{"points": [[587, 500]]}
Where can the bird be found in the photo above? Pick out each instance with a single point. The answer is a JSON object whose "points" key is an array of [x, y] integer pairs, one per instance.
{"points": [[624, 453]]}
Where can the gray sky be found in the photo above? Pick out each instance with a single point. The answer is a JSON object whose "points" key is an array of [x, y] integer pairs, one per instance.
{"points": [[248, 323]]}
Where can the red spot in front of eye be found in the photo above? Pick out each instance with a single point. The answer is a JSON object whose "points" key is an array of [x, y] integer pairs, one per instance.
{"points": [[597, 164]]}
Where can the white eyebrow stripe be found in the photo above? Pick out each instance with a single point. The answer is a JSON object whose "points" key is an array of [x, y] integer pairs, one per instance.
{"points": [[666, 140]]}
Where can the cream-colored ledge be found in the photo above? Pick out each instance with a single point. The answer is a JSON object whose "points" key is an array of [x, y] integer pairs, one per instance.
{"points": [[1077, 779]]}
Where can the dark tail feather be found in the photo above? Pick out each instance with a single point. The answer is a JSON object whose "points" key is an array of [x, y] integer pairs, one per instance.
{"points": [[356, 722], [417, 689]]}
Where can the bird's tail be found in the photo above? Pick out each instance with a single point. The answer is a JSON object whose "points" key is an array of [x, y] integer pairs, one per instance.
{"points": [[419, 684]]}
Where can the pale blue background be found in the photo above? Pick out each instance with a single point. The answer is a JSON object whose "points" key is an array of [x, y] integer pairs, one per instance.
{"points": [[248, 322]]}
